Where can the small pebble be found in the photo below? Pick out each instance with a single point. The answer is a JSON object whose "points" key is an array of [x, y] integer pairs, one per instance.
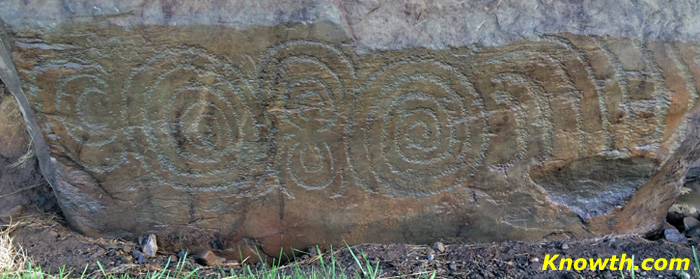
{"points": [[694, 232], [439, 247], [674, 236], [565, 247], [431, 256], [453, 266], [140, 257], [136, 254], [534, 260], [208, 258], [690, 222], [148, 244], [110, 246], [181, 254]]}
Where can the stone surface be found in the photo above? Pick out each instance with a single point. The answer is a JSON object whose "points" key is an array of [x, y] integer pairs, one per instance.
{"points": [[674, 236], [692, 178], [439, 247], [216, 125], [208, 258], [690, 222], [149, 245], [693, 232]]}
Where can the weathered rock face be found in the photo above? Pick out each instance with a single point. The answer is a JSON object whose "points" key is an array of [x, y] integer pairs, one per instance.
{"points": [[317, 131]]}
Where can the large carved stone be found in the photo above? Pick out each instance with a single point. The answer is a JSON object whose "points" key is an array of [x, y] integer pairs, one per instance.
{"points": [[218, 126]]}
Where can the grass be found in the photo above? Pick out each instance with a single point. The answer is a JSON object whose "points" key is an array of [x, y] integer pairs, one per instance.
{"points": [[331, 270], [12, 260], [14, 264]]}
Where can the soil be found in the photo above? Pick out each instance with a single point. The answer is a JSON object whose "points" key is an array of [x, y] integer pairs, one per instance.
{"points": [[53, 246]]}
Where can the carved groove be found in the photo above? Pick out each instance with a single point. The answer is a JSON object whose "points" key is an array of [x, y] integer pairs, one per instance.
{"points": [[198, 118], [84, 105], [319, 121], [420, 129], [307, 82]]}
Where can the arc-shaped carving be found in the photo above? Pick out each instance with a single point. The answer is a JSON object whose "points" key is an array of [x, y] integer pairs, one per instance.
{"points": [[199, 120], [308, 83], [85, 110], [520, 113], [418, 128]]}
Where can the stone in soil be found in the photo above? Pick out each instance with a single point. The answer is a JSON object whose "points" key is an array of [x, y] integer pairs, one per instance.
{"points": [[149, 245], [208, 258], [138, 256], [690, 222], [694, 232], [674, 235], [439, 247], [396, 259]]}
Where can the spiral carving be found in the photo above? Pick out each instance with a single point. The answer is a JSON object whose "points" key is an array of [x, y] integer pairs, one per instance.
{"points": [[200, 121], [400, 123], [420, 130], [88, 116]]}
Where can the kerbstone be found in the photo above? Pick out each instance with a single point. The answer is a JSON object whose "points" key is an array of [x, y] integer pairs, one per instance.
{"points": [[318, 127]]}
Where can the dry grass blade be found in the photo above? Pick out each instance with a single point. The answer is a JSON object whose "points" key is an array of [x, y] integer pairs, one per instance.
{"points": [[26, 158], [23, 189], [12, 259], [408, 275]]}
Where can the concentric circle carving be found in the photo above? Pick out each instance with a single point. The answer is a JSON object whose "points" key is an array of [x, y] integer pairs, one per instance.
{"points": [[200, 121], [420, 129], [89, 114]]}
